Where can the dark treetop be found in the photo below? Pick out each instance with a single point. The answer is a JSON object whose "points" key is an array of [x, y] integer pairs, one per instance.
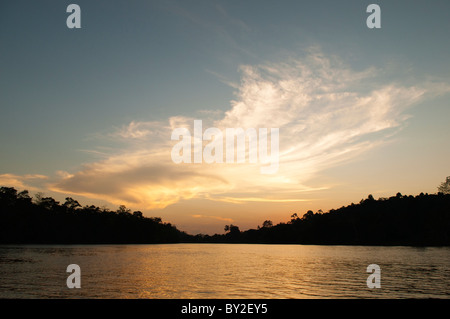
{"points": [[422, 220]]}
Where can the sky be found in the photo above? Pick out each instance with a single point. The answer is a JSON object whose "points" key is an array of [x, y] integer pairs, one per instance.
{"points": [[89, 112]]}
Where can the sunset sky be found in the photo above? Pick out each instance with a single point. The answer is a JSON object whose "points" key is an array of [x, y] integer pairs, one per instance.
{"points": [[89, 112]]}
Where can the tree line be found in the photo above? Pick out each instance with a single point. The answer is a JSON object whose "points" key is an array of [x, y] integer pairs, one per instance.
{"points": [[422, 220], [43, 220]]}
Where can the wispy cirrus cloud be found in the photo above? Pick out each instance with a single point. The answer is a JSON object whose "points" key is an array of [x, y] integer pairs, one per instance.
{"points": [[31, 182], [140, 130], [327, 114], [213, 217]]}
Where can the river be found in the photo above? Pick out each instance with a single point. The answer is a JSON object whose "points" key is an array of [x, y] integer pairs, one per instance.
{"points": [[229, 271]]}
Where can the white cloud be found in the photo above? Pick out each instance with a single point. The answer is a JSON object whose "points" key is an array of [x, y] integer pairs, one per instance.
{"points": [[31, 182], [326, 112], [213, 217]]}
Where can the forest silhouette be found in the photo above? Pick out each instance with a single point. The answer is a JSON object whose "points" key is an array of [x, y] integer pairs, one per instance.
{"points": [[422, 220], [46, 221]]}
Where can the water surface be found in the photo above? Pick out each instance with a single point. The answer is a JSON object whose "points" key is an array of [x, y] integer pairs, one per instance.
{"points": [[223, 271]]}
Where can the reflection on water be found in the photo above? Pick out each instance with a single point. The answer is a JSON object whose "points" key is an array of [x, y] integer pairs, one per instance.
{"points": [[223, 271]]}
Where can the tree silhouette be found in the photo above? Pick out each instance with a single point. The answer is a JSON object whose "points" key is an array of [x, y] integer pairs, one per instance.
{"points": [[231, 229], [24, 196], [45, 221], [267, 224], [8, 193], [138, 214], [422, 220], [71, 203], [309, 214], [48, 203], [294, 217], [445, 186]]}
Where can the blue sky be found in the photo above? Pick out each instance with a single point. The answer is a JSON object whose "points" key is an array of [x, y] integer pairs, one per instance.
{"points": [[72, 101]]}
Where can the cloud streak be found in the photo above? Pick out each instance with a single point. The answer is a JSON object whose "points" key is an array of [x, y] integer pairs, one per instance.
{"points": [[20, 182], [214, 217], [327, 114]]}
